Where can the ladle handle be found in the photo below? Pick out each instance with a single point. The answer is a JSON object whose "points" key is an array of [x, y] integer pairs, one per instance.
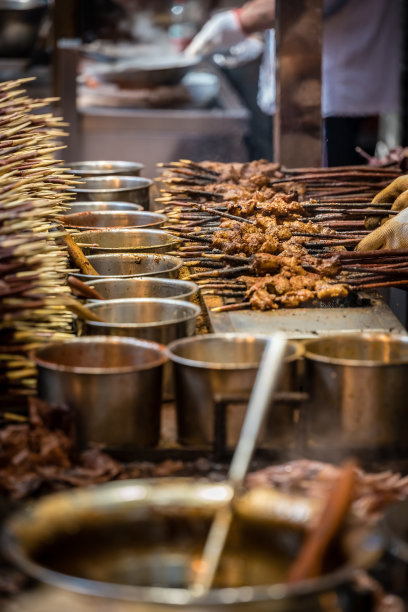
{"points": [[265, 386]]}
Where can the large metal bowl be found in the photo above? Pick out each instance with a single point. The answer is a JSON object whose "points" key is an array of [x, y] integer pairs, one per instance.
{"points": [[113, 188], [111, 241], [154, 319], [358, 389], [213, 368], [125, 265], [127, 288], [78, 207], [113, 384], [112, 219], [105, 168], [134, 545], [148, 72]]}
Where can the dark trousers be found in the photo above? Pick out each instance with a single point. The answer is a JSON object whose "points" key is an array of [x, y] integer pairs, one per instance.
{"points": [[343, 134]]}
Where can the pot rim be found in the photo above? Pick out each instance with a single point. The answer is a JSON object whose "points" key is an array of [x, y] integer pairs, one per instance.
{"points": [[208, 365], [195, 311], [169, 240], [139, 179], [81, 168], [58, 367], [156, 219], [190, 288], [166, 595], [342, 361]]}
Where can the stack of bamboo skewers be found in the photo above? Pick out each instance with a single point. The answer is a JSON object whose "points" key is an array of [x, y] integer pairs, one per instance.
{"points": [[33, 267]]}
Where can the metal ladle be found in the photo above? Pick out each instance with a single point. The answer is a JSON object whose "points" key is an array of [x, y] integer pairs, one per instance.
{"points": [[265, 386]]}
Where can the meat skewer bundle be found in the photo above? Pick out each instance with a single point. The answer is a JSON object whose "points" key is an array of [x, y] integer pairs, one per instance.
{"points": [[33, 267], [241, 216]]}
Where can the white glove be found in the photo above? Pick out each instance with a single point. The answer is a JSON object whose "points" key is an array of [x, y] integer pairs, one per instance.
{"points": [[391, 235], [222, 31]]}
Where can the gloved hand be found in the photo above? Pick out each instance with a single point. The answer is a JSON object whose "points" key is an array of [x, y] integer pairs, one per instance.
{"points": [[222, 31], [393, 234], [396, 192]]}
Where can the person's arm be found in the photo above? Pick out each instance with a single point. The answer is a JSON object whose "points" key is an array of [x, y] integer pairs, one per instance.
{"points": [[228, 28]]}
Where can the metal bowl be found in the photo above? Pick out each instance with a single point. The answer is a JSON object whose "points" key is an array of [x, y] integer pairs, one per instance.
{"points": [[111, 241], [154, 319], [133, 544], [148, 72], [212, 368], [111, 219], [113, 384], [105, 168], [77, 207], [126, 288], [113, 188], [20, 22], [125, 265]]}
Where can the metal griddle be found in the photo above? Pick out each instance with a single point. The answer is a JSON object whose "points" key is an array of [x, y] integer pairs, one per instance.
{"points": [[298, 323]]}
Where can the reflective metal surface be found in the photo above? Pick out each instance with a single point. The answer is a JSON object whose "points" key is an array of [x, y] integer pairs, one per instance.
{"points": [[160, 320], [77, 207], [148, 72], [121, 288], [126, 241], [105, 168], [20, 22], [215, 367], [138, 540], [113, 188], [111, 219], [128, 266], [298, 117], [113, 384], [358, 388]]}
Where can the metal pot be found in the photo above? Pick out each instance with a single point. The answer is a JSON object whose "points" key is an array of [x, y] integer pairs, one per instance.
{"points": [[77, 207], [107, 219], [358, 386], [112, 188], [124, 265], [154, 319], [126, 241], [20, 22], [113, 384], [105, 168], [136, 542], [215, 369], [125, 288]]}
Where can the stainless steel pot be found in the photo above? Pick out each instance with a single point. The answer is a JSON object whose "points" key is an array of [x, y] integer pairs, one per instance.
{"points": [[113, 188], [77, 207], [112, 383], [215, 368], [107, 219], [136, 543], [20, 22], [105, 168], [125, 288], [126, 241], [358, 388], [154, 319], [124, 265]]}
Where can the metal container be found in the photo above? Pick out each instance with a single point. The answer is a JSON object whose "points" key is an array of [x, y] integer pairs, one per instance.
{"points": [[126, 241], [20, 24], [358, 389], [133, 545], [111, 219], [77, 207], [127, 288], [221, 368], [154, 319], [113, 188], [124, 265], [105, 168], [113, 384]]}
